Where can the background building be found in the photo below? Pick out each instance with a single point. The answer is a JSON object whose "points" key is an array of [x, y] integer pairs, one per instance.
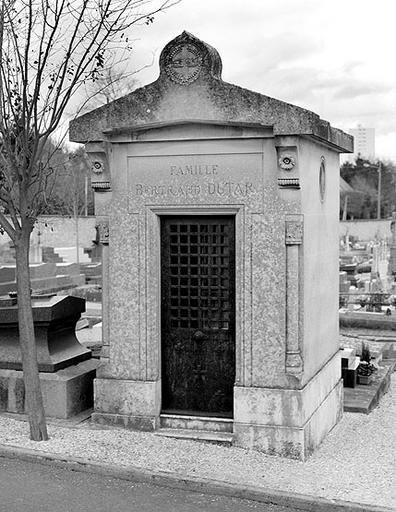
{"points": [[364, 144]]}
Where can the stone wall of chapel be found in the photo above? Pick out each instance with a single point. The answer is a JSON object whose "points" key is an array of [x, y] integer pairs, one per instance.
{"points": [[320, 255]]}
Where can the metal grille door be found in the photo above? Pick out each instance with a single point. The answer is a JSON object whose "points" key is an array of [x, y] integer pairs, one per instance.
{"points": [[198, 318]]}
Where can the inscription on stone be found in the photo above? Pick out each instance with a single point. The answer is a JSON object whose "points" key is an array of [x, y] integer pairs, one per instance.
{"points": [[194, 170], [224, 188], [200, 178]]}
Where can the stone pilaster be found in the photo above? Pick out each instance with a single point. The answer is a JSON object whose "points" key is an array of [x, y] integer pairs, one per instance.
{"points": [[102, 225], [101, 184], [293, 240]]}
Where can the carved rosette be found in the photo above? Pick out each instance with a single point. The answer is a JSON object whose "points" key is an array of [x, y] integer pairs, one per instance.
{"points": [[100, 172], [287, 166], [102, 226], [287, 162]]}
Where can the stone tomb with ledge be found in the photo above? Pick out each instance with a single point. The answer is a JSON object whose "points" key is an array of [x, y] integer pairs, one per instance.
{"points": [[66, 369], [217, 209]]}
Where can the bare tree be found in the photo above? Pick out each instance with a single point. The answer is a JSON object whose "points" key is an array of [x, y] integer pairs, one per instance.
{"points": [[114, 81], [48, 50]]}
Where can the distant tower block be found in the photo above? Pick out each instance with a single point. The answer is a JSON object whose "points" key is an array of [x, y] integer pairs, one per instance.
{"points": [[364, 143]]}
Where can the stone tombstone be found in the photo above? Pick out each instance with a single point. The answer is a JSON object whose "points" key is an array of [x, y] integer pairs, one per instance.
{"points": [[66, 370], [217, 209]]}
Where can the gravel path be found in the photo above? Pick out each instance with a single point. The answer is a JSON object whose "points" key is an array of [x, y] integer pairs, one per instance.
{"points": [[356, 462]]}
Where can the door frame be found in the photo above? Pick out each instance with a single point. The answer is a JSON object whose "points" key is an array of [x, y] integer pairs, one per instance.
{"points": [[166, 328], [153, 275]]}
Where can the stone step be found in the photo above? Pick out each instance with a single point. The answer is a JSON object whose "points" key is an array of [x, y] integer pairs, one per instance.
{"points": [[197, 435], [205, 423]]}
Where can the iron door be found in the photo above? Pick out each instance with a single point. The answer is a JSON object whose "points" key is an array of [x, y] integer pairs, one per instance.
{"points": [[198, 314]]}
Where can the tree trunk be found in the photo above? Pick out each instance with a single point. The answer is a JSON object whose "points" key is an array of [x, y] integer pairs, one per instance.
{"points": [[33, 397]]}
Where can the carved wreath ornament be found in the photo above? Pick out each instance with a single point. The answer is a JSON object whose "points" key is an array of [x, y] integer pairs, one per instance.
{"points": [[287, 162], [184, 64]]}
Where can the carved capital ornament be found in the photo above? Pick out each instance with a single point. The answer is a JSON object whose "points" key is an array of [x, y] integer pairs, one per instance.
{"points": [[100, 172], [102, 227], [293, 232]]}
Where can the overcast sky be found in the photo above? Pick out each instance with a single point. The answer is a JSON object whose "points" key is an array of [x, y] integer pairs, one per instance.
{"points": [[335, 57]]}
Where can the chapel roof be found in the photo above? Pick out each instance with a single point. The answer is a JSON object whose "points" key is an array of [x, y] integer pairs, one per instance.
{"points": [[190, 87]]}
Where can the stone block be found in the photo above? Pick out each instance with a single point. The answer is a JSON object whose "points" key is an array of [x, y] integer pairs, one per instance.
{"points": [[54, 319], [292, 441], [65, 393], [69, 254], [287, 422], [347, 357], [126, 397], [328, 414], [285, 407], [145, 423], [70, 269], [7, 274], [77, 279], [42, 270], [7, 287], [44, 283]]}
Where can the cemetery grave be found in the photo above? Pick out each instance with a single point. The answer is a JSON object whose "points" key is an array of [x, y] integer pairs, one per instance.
{"points": [[66, 368], [367, 321]]}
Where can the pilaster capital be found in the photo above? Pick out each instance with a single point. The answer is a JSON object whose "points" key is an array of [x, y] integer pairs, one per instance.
{"points": [[294, 229], [102, 226], [100, 170]]}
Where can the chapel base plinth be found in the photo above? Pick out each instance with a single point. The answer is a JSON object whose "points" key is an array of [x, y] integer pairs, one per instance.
{"points": [[128, 421], [289, 422], [289, 441], [132, 404]]}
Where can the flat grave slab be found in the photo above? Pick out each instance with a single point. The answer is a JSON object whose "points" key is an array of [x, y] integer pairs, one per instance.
{"points": [[364, 399]]}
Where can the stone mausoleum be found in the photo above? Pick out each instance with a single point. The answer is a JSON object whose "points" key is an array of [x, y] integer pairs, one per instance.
{"points": [[218, 212]]}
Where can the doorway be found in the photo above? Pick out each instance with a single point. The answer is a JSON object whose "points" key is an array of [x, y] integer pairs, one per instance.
{"points": [[198, 314]]}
